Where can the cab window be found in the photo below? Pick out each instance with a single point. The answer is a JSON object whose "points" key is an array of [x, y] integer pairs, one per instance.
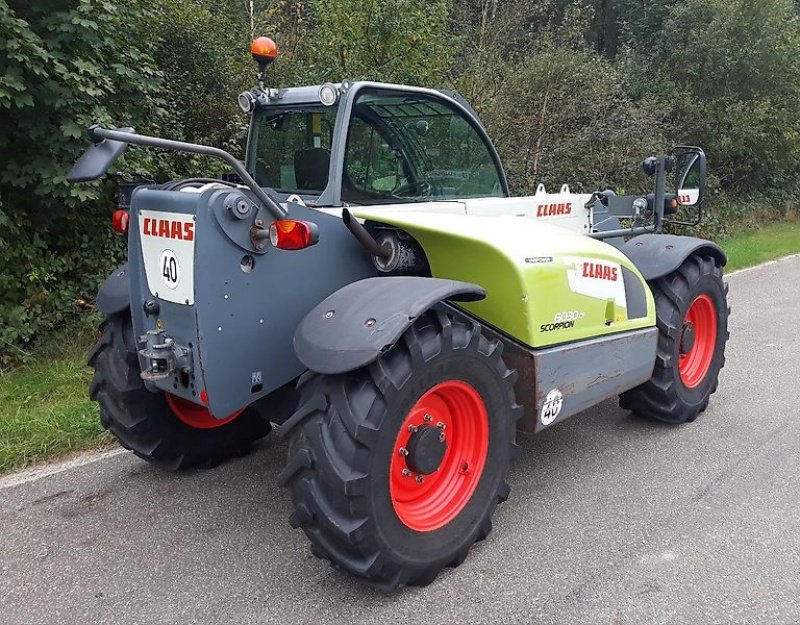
{"points": [[409, 147], [293, 148]]}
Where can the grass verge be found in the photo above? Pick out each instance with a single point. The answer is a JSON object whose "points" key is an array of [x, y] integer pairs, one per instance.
{"points": [[45, 411], [758, 246]]}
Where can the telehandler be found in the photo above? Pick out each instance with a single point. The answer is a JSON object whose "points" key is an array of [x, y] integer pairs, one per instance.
{"points": [[366, 281]]}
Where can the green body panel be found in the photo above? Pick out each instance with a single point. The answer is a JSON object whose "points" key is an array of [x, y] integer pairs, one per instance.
{"points": [[535, 275]]}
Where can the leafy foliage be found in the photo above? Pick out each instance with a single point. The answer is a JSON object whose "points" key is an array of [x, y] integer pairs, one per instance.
{"points": [[65, 65], [563, 116], [733, 84], [573, 91]]}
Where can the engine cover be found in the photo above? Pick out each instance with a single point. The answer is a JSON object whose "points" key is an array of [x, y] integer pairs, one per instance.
{"points": [[545, 285]]}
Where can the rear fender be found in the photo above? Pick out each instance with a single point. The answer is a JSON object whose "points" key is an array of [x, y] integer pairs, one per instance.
{"points": [[656, 255], [114, 295], [353, 326]]}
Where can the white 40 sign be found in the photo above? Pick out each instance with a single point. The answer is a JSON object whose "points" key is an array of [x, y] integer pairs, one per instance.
{"points": [[167, 241], [170, 270]]}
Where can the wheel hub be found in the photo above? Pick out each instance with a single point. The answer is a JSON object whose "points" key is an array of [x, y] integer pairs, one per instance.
{"points": [[426, 449], [688, 336], [439, 455], [195, 415], [698, 341]]}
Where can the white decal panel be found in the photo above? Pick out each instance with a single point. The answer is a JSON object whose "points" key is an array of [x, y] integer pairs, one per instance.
{"points": [[596, 278], [688, 197], [168, 250]]}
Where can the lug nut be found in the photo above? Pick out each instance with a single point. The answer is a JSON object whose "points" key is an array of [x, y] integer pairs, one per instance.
{"points": [[441, 426], [403, 451], [442, 437], [412, 428], [406, 473], [428, 418], [420, 479]]}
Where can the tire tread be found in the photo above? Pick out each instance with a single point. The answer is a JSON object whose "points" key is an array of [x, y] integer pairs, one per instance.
{"points": [[142, 422], [658, 398], [330, 503]]}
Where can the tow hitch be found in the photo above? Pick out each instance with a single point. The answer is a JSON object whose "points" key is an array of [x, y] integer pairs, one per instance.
{"points": [[164, 358]]}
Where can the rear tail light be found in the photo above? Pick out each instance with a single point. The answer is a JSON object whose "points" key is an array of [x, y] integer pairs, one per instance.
{"points": [[119, 221], [289, 234]]}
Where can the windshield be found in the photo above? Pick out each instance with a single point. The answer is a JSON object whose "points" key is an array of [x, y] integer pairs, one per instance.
{"points": [[291, 148]]}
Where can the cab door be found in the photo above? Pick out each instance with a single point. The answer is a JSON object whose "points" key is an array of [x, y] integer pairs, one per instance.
{"points": [[415, 146]]}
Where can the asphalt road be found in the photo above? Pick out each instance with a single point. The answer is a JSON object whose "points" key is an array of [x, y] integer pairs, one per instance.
{"points": [[611, 519]]}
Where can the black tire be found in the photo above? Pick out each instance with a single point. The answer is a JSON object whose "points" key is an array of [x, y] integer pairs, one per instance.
{"points": [[339, 457], [666, 397], [144, 423]]}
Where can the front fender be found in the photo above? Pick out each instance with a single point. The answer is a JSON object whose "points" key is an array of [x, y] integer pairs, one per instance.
{"points": [[656, 255], [352, 327]]}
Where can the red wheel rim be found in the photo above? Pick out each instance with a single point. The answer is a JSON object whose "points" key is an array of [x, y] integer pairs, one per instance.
{"points": [[195, 415], [459, 412], [694, 364]]}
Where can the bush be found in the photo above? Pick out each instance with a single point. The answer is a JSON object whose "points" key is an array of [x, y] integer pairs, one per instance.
{"points": [[563, 117], [162, 67], [729, 72], [572, 92], [64, 66]]}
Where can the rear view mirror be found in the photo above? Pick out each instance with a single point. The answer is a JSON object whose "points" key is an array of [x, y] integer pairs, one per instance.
{"points": [[97, 159], [422, 127], [690, 175]]}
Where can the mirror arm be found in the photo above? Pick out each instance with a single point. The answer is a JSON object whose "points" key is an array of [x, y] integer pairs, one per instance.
{"points": [[98, 134], [622, 232], [660, 191], [691, 224]]}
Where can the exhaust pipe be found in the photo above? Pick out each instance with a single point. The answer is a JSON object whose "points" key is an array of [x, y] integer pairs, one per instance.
{"points": [[364, 237]]}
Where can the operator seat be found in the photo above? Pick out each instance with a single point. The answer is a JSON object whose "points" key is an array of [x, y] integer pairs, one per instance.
{"points": [[311, 169]]}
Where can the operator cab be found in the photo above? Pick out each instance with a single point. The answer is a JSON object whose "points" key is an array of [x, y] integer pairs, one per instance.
{"points": [[370, 144]]}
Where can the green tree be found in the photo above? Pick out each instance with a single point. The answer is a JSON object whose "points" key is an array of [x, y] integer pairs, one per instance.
{"points": [[730, 72], [563, 117], [63, 66], [403, 41], [572, 91]]}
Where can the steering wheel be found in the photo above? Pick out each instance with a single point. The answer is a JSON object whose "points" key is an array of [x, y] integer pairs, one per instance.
{"points": [[406, 191]]}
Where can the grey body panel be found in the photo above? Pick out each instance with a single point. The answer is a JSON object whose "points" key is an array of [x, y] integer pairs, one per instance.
{"points": [[587, 372], [241, 325], [634, 294], [584, 372], [352, 327], [619, 205], [114, 295], [179, 320], [656, 255]]}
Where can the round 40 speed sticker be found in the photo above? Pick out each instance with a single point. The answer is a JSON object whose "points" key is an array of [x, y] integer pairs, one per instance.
{"points": [[170, 269], [552, 406]]}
